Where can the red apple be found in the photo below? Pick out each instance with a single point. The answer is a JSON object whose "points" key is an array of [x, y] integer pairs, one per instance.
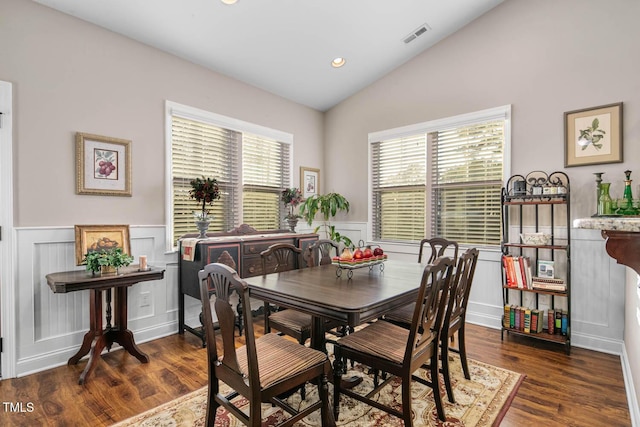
{"points": [[378, 251], [368, 253], [358, 254]]}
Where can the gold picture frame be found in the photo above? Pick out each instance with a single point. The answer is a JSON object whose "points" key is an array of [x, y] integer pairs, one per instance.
{"points": [[103, 165], [593, 136], [90, 238], [309, 181]]}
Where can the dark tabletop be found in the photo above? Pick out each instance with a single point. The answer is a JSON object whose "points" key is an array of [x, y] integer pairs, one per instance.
{"points": [[78, 280]]}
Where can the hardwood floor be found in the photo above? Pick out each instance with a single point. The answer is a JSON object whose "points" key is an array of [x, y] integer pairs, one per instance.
{"points": [[584, 389]]}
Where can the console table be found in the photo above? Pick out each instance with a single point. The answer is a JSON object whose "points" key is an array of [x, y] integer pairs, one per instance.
{"points": [[97, 338], [622, 238], [239, 249]]}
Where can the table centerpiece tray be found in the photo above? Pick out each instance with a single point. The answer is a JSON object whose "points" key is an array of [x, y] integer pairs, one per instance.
{"points": [[355, 264]]}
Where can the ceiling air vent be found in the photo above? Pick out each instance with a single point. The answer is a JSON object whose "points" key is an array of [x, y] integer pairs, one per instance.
{"points": [[417, 33]]}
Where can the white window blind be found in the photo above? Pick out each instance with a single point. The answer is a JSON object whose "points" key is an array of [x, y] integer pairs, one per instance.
{"points": [[251, 163], [466, 178], [399, 182], [200, 149], [440, 179], [266, 171]]}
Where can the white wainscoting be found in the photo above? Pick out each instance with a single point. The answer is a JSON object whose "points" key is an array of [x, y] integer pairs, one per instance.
{"points": [[50, 326]]}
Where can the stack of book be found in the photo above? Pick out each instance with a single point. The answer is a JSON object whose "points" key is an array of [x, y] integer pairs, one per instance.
{"points": [[548, 284], [523, 319]]}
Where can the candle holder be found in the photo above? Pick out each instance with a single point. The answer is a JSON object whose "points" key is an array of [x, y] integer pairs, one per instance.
{"points": [[598, 182]]}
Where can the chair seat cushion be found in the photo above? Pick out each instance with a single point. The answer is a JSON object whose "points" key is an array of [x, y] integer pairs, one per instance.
{"points": [[381, 339], [401, 315], [292, 319], [280, 359]]}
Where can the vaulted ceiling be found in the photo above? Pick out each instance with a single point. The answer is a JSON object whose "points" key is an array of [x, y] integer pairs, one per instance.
{"points": [[286, 46]]}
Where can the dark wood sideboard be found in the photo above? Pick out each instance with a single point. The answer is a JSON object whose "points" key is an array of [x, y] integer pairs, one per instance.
{"points": [[239, 248]]}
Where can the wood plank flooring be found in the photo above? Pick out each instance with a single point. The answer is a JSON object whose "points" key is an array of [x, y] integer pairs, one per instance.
{"points": [[584, 389]]}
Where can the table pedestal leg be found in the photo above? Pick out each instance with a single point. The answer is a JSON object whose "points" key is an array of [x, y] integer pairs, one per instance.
{"points": [[97, 339]]}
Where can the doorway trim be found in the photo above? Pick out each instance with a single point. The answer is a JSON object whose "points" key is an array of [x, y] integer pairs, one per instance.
{"points": [[7, 249]]}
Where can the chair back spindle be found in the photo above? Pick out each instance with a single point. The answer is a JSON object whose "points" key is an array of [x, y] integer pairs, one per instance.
{"points": [[459, 297], [430, 308]]}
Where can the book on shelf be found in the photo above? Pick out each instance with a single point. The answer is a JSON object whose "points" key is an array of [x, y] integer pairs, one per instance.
{"points": [[536, 321], [507, 316], [551, 321], [512, 317], [548, 284], [510, 271], [565, 323], [558, 324], [527, 320], [545, 269], [527, 271], [522, 309]]}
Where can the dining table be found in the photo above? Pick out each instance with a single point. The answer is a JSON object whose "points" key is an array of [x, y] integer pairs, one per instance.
{"points": [[325, 292]]}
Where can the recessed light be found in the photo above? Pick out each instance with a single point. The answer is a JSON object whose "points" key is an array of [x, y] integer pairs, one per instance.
{"points": [[229, 1], [338, 62]]}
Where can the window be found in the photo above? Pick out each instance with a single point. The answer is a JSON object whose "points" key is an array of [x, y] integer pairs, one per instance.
{"points": [[251, 163], [440, 178]]}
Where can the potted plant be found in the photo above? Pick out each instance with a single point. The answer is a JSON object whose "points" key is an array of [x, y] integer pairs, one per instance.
{"points": [[204, 191], [329, 205], [105, 260], [291, 197]]}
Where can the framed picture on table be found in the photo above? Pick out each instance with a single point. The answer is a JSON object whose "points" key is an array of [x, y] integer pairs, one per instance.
{"points": [[91, 238], [593, 136], [309, 181], [103, 165]]}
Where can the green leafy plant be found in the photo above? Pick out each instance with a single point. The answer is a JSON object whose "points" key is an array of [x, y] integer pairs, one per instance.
{"points": [[591, 135], [328, 205], [106, 258], [205, 191]]}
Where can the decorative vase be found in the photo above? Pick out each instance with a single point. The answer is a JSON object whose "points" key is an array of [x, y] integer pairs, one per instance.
{"points": [[108, 269], [292, 223], [604, 201], [203, 226]]}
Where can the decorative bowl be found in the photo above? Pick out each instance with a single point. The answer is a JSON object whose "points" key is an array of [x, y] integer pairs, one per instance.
{"points": [[540, 239]]}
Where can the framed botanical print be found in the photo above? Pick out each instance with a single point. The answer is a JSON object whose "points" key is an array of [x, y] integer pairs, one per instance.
{"points": [[309, 181], [593, 136], [103, 165]]}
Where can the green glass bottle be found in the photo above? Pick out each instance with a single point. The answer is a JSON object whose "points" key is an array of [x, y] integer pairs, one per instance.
{"points": [[604, 201], [627, 199]]}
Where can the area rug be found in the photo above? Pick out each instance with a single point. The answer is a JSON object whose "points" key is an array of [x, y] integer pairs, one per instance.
{"points": [[481, 401]]}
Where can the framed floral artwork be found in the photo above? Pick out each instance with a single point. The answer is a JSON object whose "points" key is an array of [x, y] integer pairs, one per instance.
{"points": [[103, 165], [593, 136], [91, 238], [309, 181]]}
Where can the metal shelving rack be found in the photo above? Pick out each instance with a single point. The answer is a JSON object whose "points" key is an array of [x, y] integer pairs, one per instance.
{"points": [[532, 194]]}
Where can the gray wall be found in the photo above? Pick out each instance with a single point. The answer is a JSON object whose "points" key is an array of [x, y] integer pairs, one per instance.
{"points": [[71, 76]]}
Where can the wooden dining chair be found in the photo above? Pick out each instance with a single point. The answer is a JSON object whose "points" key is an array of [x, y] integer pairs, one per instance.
{"points": [[397, 351], [321, 252], [438, 246], [263, 368], [277, 258], [455, 316]]}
